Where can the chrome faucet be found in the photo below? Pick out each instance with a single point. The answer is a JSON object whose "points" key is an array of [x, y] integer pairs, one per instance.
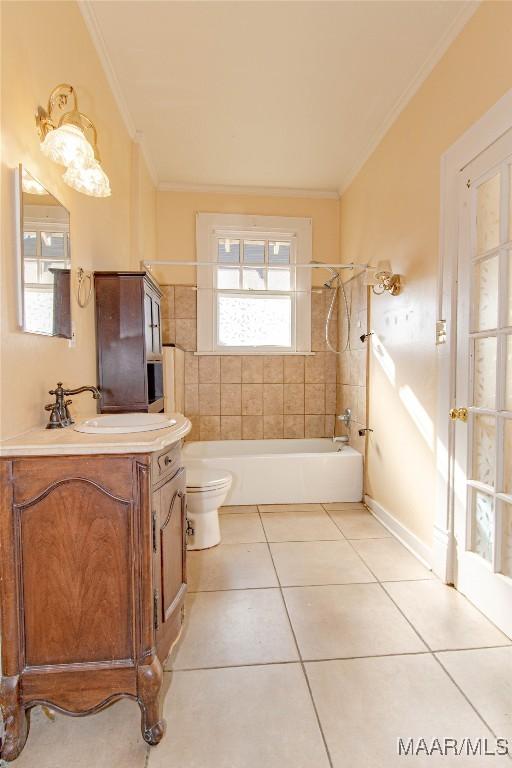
{"points": [[59, 410]]}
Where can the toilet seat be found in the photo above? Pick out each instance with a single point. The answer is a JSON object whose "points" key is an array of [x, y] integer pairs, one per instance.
{"points": [[199, 480]]}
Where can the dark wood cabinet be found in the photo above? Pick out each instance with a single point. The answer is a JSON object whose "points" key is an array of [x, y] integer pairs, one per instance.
{"points": [[92, 583], [128, 342]]}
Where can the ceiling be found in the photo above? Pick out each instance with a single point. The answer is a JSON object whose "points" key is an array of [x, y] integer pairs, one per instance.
{"points": [[266, 94]]}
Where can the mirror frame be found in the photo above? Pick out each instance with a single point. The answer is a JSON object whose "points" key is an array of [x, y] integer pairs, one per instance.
{"points": [[18, 216]]}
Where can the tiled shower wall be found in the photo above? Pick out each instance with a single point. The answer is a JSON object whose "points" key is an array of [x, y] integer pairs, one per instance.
{"points": [[233, 397], [352, 364]]}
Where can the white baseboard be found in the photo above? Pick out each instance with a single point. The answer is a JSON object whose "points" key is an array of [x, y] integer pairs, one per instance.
{"points": [[406, 537]]}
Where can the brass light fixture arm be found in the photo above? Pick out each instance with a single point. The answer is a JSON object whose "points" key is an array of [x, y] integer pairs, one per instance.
{"points": [[58, 99]]}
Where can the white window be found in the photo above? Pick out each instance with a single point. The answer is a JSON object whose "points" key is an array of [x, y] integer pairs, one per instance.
{"points": [[252, 298]]}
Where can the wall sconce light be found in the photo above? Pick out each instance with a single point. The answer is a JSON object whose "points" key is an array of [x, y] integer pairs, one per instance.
{"points": [[381, 278], [65, 142]]}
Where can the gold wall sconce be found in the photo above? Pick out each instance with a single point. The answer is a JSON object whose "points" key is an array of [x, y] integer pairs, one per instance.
{"points": [[65, 141], [381, 278]]}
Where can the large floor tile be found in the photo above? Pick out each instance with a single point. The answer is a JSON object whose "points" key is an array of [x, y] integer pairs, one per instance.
{"points": [[238, 508], [110, 739], [232, 628], [304, 563], [344, 621], [443, 617], [390, 561], [241, 528], [290, 507], [485, 676], [300, 526], [358, 524], [230, 566], [367, 705], [248, 717]]}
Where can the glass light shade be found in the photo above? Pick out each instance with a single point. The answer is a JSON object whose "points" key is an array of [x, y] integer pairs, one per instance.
{"points": [[90, 179], [67, 145], [384, 266], [369, 277]]}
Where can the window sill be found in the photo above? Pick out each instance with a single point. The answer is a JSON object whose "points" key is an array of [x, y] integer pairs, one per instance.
{"points": [[255, 353]]}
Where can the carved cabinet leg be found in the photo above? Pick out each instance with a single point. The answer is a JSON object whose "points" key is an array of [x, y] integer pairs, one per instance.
{"points": [[149, 683], [15, 719]]}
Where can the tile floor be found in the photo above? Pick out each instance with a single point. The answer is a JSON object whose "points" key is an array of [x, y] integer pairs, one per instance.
{"points": [[313, 639]]}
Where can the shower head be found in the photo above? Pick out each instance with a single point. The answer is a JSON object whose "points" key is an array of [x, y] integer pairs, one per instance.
{"points": [[334, 274]]}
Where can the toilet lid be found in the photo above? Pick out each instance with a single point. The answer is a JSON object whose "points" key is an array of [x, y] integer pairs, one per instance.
{"points": [[207, 478]]}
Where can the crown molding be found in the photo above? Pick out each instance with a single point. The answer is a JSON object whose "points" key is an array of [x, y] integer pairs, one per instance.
{"points": [[219, 189], [91, 22], [428, 65]]}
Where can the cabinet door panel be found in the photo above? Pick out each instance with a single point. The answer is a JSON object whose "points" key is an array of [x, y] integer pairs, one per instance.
{"points": [[157, 338], [75, 546], [172, 545], [148, 323]]}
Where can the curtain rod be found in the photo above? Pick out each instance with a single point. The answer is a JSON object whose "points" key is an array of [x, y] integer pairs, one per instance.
{"points": [[170, 263]]}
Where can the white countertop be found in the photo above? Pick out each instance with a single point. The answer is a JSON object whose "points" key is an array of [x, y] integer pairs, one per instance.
{"points": [[69, 442]]}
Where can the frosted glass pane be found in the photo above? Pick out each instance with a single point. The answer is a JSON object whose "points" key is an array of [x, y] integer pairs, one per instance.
{"points": [[254, 279], [29, 244], [254, 321], [507, 461], [30, 271], [254, 251], [483, 524], [484, 449], [52, 245], [278, 252], [488, 214], [485, 294], [228, 278], [38, 310], [506, 543], [228, 251], [508, 386], [484, 367], [279, 279]]}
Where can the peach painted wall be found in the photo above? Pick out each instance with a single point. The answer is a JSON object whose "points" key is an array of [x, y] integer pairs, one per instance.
{"points": [[391, 211], [43, 44], [176, 224]]}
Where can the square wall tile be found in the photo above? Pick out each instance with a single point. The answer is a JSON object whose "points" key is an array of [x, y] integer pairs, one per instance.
{"points": [[293, 398], [330, 365], [209, 427], [209, 399], [314, 369], [314, 398], [252, 427], [314, 426], [185, 298], [191, 399], [294, 369], [186, 334], [273, 426], [329, 425], [209, 369], [231, 369], [251, 717], [168, 331], [252, 369], [191, 368], [231, 427], [252, 399], [231, 399], [293, 427], [273, 369], [167, 302], [273, 399]]}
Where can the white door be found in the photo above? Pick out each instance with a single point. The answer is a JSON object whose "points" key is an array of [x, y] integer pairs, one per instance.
{"points": [[483, 435]]}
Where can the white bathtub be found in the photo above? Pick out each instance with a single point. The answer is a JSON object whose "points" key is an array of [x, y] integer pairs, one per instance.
{"points": [[282, 471]]}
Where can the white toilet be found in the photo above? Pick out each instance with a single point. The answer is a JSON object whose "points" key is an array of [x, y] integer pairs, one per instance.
{"points": [[206, 492]]}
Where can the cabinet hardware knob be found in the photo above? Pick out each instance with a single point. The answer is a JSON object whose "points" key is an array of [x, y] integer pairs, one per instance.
{"points": [[167, 460]]}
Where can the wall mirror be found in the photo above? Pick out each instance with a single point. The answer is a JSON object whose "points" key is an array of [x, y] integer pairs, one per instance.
{"points": [[44, 259]]}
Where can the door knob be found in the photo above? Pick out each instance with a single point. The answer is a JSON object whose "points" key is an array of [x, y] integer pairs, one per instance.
{"points": [[459, 413]]}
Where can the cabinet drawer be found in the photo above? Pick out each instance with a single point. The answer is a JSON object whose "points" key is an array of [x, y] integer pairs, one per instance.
{"points": [[166, 463]]}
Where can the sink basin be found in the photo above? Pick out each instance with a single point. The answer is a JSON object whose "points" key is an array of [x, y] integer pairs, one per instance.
{"points": [[124, 423]]}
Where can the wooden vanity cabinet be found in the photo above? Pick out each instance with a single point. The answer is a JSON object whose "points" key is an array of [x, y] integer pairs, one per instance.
{"points": [[93, 577], [128, 342]]}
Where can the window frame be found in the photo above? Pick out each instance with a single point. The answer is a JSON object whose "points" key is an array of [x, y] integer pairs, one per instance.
{"points": [[212, 227]]}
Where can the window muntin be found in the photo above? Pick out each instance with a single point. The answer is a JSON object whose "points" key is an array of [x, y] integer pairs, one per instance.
{"points": [[255, 301]]}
